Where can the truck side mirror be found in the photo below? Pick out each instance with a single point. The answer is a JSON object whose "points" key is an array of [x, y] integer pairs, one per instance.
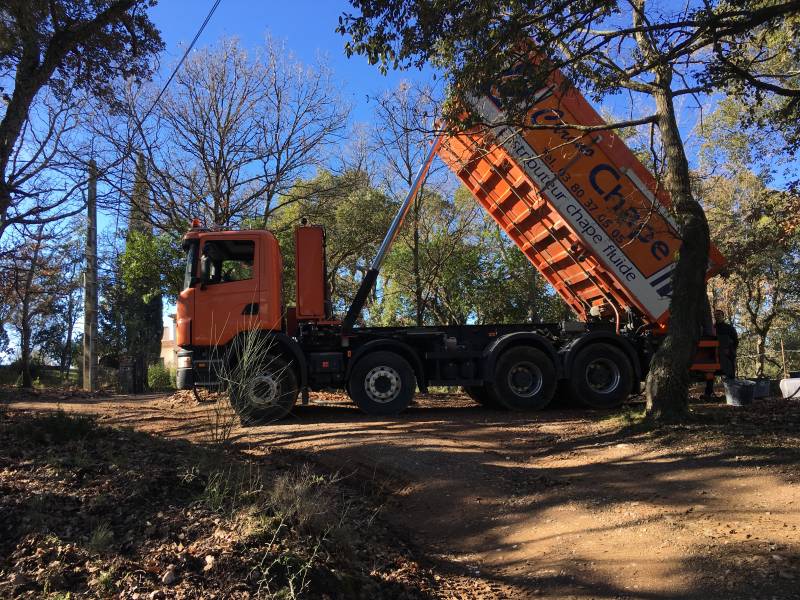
{"points": [[205, 270]]}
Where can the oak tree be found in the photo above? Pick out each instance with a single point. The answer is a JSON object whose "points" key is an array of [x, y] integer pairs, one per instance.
{"points": [[231, 135], [654, 53]]}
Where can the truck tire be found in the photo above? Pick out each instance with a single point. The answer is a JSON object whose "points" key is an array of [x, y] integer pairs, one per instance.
{"points": [[482, 396], [382, 383], [268, 395], [524, 379], [601, 376]]}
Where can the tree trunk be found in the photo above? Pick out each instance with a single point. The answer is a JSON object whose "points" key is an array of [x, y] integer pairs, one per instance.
{"points": [[25, 320], [66, 353], [667, 383], [25, 346], [761, 353]]}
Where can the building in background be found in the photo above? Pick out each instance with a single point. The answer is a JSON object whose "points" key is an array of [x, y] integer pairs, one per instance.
{"points": [[169, 351]]}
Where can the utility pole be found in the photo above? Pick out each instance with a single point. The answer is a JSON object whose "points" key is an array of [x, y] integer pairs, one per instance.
{"points": [[90, 286]]}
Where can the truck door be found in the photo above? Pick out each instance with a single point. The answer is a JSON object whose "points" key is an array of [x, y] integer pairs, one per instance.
{"points": [[226, 302], [185, 300]]}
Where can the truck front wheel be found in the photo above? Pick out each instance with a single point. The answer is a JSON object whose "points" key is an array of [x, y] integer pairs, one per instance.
{"points": [[524, 379], [382, 383], [266, 394], [601, 376]]}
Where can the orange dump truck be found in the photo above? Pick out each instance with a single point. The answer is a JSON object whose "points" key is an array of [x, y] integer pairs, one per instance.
{"points": [[582, 208]]}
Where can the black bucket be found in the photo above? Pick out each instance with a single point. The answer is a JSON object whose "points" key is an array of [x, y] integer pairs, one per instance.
{"points": [[762, 389], [739, 392]]}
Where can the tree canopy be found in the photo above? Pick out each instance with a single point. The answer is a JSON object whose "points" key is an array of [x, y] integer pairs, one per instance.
{"points": [[600, 46], [50, 52]]}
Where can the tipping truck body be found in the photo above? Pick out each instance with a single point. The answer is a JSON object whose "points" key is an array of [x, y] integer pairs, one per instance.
{"points": [[583, 209], [586, 213]]}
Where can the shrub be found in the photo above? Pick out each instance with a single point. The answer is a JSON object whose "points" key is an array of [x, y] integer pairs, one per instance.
{"points": [[303, 499], [101, 538], [160, 378], [233, 488]]}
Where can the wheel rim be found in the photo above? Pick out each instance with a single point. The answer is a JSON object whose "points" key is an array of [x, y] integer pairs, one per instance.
{"points": [[263, 390], [602, 375], [525, 379], [382, 384]]}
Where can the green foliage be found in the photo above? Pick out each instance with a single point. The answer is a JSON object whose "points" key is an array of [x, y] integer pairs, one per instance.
{"points": [[56, 329], [122, 46], [149, 269], [755, 227], [593, 42], [767, 105], [112, 336], [152, 265], [130, 307], [356, 217], [159, 378], [470, 271], [41, 284], [105, 581]]}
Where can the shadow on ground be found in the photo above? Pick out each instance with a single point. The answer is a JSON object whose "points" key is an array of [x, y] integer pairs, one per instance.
{"points": [[89, 511], [563, 503]]}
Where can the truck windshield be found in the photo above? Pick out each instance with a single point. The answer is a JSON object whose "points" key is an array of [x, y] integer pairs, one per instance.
{"points": [[190, 246]]}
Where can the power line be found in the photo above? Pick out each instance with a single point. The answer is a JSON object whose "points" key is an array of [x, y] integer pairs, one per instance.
{"points": [[183, 58], [175, 70]]}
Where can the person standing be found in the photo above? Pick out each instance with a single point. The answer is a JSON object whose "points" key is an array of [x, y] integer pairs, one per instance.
{"points": [[728, 343]]}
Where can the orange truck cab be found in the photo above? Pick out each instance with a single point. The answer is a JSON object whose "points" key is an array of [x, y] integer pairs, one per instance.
{"points": [[583, 210], [240, 289]]}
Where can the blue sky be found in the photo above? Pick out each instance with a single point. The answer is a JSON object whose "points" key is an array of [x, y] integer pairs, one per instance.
{"points": [[308, 28]]}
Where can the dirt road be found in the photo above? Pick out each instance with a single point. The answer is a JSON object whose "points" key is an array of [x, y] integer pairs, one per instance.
{"points": [[561, 504]]}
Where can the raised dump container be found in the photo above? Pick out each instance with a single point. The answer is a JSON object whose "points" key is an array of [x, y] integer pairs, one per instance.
{"points": [[580, 206]]}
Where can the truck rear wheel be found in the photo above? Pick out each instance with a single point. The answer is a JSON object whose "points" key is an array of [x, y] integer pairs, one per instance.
{"points": [[482, 396], [269, 394], [601, 377], [524, 379], [382, 383]]}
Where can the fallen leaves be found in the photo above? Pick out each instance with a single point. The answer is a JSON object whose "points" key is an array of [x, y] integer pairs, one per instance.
{"points": [[99, 512]]}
